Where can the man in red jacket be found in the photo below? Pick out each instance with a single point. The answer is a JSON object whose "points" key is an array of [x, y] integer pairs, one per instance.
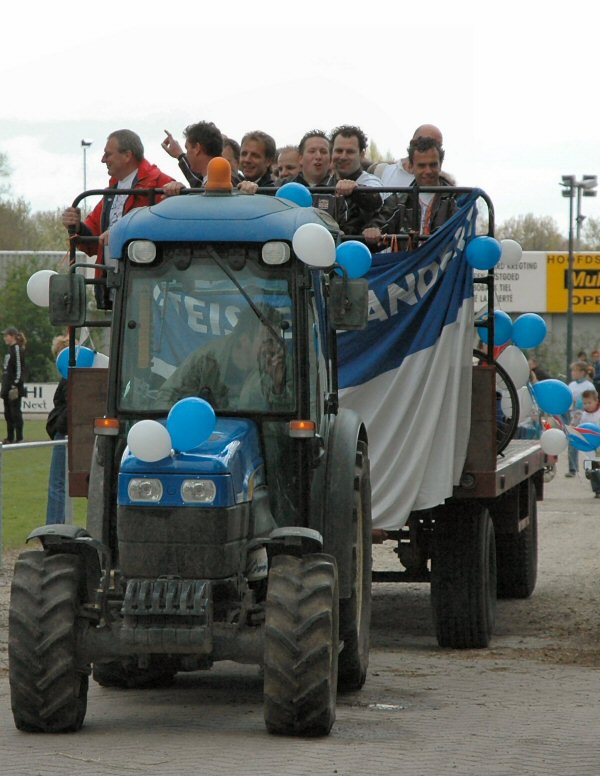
{"points": [[127, 168]]}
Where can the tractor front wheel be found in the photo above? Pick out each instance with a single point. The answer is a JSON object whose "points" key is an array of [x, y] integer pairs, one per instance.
{"points": [[301, 645]]}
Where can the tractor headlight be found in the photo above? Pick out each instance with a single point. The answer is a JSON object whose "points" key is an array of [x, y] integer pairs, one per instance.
{"points": [[198, 491], [275, 252], [141, 251], [145, 490]]}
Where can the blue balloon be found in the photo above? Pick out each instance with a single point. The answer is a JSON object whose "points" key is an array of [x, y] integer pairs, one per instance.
{"points": [[190, 423], [62, 363], [84, 358], [296, 193], [529, 330], [591, 440], [502, 328], [553, 396], [483, 252], [355, 258]]}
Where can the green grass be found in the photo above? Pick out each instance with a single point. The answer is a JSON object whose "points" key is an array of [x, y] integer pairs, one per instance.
{"points": [[25, 488]]}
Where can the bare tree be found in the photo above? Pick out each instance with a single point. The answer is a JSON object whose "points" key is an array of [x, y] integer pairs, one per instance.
{"points": [[534, 233]]}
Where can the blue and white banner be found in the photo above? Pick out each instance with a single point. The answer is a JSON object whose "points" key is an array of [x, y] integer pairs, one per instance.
{"points": [[408, 374]]}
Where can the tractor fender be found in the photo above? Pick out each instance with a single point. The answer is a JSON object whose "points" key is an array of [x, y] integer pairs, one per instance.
{"points": [[71, 539], [336, 488]]}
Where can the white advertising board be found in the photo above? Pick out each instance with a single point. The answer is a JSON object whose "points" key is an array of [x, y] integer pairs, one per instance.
{"points": [[519, 289], [39, 398]]}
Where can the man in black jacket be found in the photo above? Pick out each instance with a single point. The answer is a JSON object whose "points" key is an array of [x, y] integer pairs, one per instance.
{"points": [[203, 142], [357, 203], [417, 213]]}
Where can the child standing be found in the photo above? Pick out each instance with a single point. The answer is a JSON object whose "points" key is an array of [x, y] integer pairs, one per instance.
{"points": [[591, 414], [577, 386]]}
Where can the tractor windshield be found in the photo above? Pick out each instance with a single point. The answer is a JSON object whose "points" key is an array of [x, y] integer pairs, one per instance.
{"points": [[207, 321]]}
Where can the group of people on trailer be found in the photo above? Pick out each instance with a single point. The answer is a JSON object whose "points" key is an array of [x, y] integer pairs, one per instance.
{"points": [[336, 160]]}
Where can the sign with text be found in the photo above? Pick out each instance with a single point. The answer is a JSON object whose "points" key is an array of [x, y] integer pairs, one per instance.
{"points": [[586, 282], [39, 398], [521, 288]]}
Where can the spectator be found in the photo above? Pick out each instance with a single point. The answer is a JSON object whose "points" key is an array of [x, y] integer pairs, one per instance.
{"points": [[399, 173], [348, 148], [537, 372], [203, 141], [315, 160], [128, 169], [257, 154], [577, 386], [288, 164], [417, 213], [13, 388], [56, 427], [596, 365], [231, 152], [591, 414]]}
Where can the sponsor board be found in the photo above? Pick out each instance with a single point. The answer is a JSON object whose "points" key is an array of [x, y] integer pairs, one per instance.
{"points": [[586, 282], [39, 398]]}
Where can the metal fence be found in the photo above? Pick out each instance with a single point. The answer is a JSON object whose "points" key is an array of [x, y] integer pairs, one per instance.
{"points": [[4, 449]]}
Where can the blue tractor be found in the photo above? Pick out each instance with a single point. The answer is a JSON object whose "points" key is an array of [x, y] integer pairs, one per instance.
{"points": [[229, 513]]}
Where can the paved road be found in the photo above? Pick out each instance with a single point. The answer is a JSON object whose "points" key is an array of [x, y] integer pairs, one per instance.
{"points": [[528, 705]]}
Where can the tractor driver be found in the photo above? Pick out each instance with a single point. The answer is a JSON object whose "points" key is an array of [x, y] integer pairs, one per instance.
{"points": [[243, 370]]}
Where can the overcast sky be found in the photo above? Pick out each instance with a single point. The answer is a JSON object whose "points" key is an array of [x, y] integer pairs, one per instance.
{"points": [[511, 84]]}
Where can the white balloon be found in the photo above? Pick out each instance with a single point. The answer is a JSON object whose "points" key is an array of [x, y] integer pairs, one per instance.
{"points": [[515, 364], [149, 441], [525, 403], [524, 407], [506, 404], [554, 441], [512, 253], [314, 245], [38, 287], [100, 361]]}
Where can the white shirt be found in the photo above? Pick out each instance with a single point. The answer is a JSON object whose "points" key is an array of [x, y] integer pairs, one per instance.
{"points": [[118, 203], [395, 175]]}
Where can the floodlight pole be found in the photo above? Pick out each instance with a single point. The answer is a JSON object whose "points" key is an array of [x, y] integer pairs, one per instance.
{"points": [[570, 289], [587, 186], [85, 144]]}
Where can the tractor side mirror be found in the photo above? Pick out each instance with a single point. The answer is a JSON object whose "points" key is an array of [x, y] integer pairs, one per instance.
{"points": [[349, 303], [68, 300]]}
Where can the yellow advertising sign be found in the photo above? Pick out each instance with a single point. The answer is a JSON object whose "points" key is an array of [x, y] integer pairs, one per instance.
{"points": [[586, 282]]}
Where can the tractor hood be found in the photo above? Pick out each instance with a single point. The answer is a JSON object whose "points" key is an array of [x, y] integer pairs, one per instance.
{"points": [[230, 458]]}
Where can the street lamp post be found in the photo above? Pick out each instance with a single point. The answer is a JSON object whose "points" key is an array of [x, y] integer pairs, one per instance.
{"points": [[586, 186], [85, 144]]}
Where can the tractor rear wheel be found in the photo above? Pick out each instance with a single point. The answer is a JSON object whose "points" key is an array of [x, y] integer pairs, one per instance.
{"points": [[355, 612]]}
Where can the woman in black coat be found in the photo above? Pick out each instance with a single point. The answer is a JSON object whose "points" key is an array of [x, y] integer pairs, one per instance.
{"points": [[13, 388]]}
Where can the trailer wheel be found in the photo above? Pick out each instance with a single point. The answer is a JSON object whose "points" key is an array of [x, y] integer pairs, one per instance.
{"points": [[127, 674], [463, 576], [48, 685], [355, 612], [517, 556], [301, 645]]}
